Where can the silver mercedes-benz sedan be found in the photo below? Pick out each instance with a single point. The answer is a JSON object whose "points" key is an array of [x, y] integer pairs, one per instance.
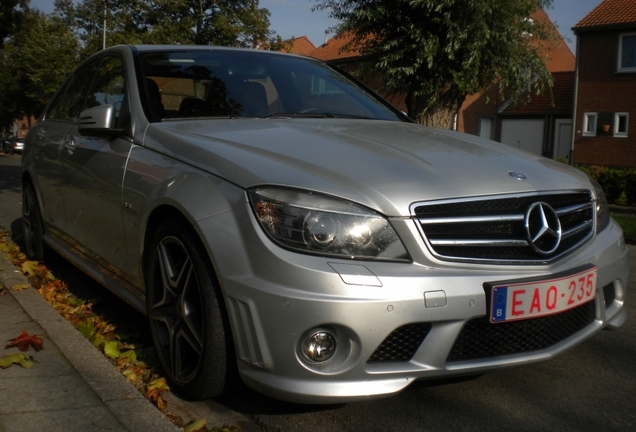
{"points": [[272, 217]]}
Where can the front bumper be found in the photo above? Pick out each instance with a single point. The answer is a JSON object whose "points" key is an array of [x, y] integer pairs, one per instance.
{"points": [[274, 296]]}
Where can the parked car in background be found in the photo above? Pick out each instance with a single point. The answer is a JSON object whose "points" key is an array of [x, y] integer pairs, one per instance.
{"points": [[271, 216], [13, 145]]}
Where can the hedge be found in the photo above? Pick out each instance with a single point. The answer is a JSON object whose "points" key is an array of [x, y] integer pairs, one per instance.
{"points": [[618, 184]]}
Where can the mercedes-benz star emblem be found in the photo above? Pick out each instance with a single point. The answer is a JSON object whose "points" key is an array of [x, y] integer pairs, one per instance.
{"points": [[543, 228], [517, 175]]}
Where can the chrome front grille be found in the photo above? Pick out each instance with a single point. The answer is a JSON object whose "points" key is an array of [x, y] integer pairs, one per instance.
{"points": [[495, 229]]}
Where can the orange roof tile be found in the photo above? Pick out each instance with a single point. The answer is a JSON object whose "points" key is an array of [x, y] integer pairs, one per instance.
{"points": [[337, 48], [562, 95], [558, 56], [302, 46], [609, 13]]}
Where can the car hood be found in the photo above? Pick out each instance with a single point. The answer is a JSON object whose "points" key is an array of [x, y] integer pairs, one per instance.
{"points": [[380, 164]]}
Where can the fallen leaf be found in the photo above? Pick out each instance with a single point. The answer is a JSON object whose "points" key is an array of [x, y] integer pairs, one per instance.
{"points": [[111, 349], [161, 403], [159, 383], [31, 268], [20, 287], [131, 355], [196, 425], [87, 329], [131, 376], [23, 341], [23, 360]]}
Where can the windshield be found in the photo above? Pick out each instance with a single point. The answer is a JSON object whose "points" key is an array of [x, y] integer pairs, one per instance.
{"points": [[225, 83]]}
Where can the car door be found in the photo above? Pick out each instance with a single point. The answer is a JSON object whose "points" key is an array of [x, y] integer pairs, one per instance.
{"points": [[92, 186], [49, 147]]}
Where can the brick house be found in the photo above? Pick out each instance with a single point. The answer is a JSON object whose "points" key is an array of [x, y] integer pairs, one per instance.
{"points": [[539, 126], [605, 112], [302, 46]]}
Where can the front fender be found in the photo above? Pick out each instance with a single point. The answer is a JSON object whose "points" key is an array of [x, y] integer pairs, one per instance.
{"points": [[157, 186]]}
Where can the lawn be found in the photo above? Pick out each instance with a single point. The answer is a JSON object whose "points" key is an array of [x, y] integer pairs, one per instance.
{"points": [[628, 223]]}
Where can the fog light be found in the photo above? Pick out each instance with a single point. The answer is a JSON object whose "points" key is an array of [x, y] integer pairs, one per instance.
{"points": [[318, 345]]}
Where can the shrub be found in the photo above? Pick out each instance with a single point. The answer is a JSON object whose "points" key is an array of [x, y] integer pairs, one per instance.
{"points": [[630, 186], [611, 180]]}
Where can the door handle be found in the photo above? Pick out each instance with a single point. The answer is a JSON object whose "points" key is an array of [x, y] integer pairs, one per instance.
{"points": [[69, 145]]}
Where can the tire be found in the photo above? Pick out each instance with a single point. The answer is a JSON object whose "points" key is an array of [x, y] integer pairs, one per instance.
{"points": [[32, 228], [188, 324]]}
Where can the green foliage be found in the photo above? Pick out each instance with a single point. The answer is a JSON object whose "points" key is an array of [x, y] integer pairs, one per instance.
{"points": [[611, 181], [41, 50], [239, 23], [617, 183], [437, 52], [11, 17], [35, 61], [630, 186], [278, 44], [628, 224]]}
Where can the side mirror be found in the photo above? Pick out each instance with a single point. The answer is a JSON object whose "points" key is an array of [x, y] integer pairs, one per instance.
{"points": [[98, 121]]}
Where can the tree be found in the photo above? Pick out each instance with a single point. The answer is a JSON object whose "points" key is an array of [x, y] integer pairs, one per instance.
{"points": [[194, 22], [35, 62], [11, 14], [239, 23], [436, 52]]}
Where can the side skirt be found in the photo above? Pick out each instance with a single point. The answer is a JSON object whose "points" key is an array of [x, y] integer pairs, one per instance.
{"points": [[114, 284]]}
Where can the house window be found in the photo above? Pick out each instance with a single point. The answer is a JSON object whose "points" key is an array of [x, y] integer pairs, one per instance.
{"points": [[627, 52], [589, 123], [321, 87], [621, 122]]}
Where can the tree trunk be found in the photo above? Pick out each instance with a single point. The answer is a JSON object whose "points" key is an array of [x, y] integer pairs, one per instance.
{"points": [[440, 113]]}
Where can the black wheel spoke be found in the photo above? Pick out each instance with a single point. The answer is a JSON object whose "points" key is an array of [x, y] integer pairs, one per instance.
{"points": [[31, 224], [180, 294], [176, 308]]}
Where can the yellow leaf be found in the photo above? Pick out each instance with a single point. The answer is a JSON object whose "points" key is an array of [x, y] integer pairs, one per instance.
{"points": [[22, 359], [30, 268], [159, 383], [131, 376], [111, 349], [20, 287], [131, 355], [196, 425]]}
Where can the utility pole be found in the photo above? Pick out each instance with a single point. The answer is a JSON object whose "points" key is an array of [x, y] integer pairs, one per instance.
{"points": [[104, 35]]}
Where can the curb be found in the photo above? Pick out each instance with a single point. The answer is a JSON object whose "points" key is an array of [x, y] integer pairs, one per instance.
{"points": [[119, 396]]}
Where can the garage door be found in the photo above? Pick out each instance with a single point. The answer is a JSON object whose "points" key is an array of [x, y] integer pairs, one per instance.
{"points": [[523, 134]]}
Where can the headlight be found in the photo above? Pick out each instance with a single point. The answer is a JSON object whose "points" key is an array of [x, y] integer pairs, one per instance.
{"points": [[602, 209], [313, 223]]}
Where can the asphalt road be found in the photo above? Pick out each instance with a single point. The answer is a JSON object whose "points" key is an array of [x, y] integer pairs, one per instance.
{"points": [[590, 388]]}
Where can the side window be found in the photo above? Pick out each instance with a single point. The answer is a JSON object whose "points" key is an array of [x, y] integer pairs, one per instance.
{"points": [[621, 124], [108, 86], [68, 103], [627, 52], [589, 123]]}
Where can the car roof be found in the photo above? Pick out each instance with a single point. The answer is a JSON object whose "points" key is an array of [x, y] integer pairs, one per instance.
{"points": [[160, 48]]}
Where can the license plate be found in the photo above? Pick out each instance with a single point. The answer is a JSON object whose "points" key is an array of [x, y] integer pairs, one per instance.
{"points": [[524, 300]]}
